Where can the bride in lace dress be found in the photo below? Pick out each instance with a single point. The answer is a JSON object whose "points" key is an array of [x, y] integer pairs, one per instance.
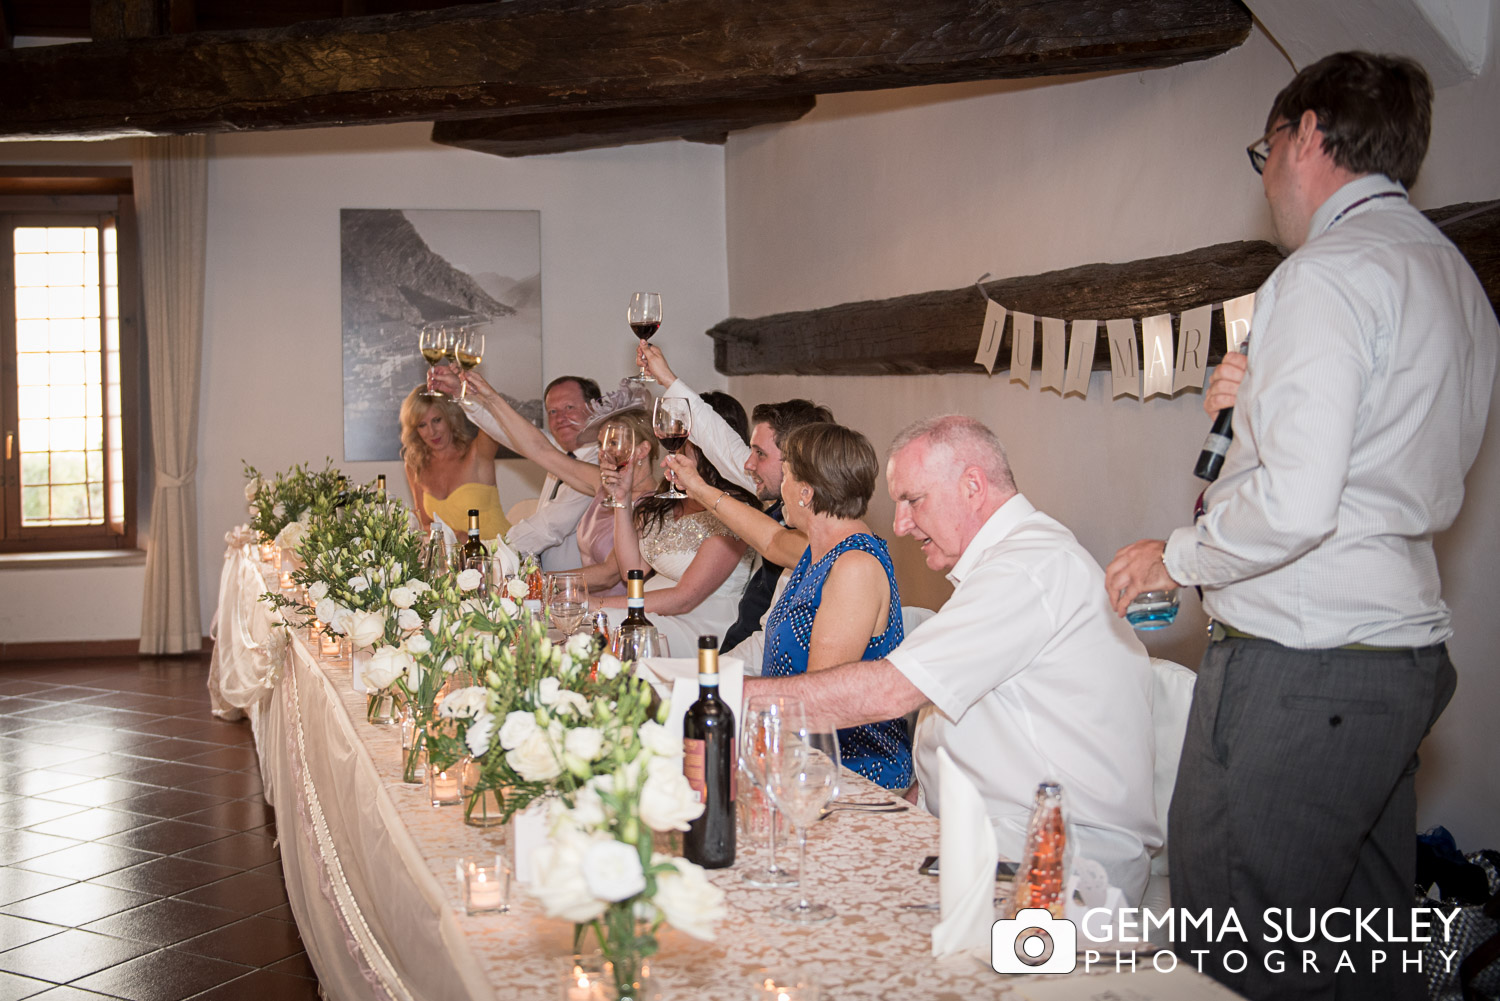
{"points": [[696, 569]]}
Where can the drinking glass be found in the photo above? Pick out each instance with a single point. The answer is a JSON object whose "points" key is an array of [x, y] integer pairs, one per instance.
{"points": [[672, 420], [433, 341], [766, 719], [568, 602], [639, 643], [644, 315], [468, 351], [1152, 609], [616, 447], [804, 779], [435, 552]]}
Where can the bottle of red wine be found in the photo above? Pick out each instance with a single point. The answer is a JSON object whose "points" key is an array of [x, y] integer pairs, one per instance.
{"points": [[635, 601], [708, 762], [1211, 458]]}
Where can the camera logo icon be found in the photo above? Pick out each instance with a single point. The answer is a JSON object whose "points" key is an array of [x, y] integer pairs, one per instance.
{"points": [[1033, 942]]}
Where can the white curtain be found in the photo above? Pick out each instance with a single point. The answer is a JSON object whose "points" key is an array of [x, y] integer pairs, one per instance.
{"points": [[171, 197]]}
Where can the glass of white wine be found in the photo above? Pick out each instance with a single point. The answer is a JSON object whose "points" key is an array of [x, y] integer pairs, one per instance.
{"points": [[616, 447], [433, 341], [468, 351]]}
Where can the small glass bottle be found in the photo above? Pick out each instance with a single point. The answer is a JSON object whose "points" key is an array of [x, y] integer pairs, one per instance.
{"points": [[1041, 878]]}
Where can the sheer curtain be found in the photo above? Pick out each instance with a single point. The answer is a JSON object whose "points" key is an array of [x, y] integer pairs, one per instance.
{"points": [[171, 197]]}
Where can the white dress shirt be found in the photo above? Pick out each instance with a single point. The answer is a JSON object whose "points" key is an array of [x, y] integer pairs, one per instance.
{"points": [[551, 530], [1372, 358], [714, 437], [1032, 677]]}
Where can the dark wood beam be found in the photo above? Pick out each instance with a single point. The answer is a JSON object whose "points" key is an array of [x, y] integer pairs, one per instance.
{"points": [[939, 331], [531, 56], [7, 39], [119, 19], [565, 131]]}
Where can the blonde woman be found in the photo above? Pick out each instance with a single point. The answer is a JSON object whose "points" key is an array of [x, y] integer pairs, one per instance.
{"points": [[450, 466]]}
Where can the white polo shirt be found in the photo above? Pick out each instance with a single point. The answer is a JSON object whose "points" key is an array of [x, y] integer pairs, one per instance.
{"points": [[1033, 677]]}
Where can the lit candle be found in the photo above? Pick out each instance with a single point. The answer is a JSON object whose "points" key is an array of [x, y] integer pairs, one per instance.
{"points": [[329, 644], [286, 580], [444, 785], [484, 889]]}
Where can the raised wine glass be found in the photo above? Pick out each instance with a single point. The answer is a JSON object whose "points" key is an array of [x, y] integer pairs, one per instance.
{"points": [[672, 421], [433, 341], [616, 446], [644, 316], [805, 779], [569, 602], [468, 351], [766, 719]]}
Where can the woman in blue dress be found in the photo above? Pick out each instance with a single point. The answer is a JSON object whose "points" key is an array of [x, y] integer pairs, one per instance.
{"points": [[840, 603]]}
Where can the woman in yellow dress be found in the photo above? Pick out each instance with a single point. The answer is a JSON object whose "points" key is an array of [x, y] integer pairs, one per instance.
{"points": [[450, 466]]}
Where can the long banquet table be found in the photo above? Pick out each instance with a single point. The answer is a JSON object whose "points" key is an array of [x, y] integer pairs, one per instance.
{"points": [[369, 863]]}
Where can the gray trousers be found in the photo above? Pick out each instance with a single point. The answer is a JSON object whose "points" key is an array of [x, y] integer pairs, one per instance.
{"points": [[1295, 791]]}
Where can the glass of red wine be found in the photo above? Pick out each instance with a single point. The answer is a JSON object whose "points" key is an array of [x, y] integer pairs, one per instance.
{"points": [[645, 316], [672, 420]]}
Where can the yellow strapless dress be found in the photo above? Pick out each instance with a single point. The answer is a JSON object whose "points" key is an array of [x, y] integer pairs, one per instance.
{"points": [[454, 509]]}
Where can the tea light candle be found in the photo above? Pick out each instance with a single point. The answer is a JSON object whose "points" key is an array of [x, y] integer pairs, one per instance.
{"points": [[484, 889], [444, 785], [286, 580], [328, 644], [486, 884]]}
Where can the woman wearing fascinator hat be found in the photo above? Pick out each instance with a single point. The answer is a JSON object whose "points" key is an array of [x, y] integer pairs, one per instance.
{"points": [[629, 405], [696, 568]]}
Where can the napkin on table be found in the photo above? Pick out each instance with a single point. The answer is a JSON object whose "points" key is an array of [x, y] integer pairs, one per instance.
{"points": [[966, 878], [676, 679]]}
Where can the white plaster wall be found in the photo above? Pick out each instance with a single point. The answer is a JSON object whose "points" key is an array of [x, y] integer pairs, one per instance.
{"points": [[877, 195], [613, 222]]}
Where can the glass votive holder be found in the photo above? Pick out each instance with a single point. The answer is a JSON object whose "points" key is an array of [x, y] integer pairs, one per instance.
{"points": [[486, 884], [1152, 609], [788, 984], [267, 552], [329, 644], [445, 785], [286, 580]]}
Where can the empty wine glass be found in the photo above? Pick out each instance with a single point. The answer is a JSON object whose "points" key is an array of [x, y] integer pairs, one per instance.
{"points": [[766, 719], [433, 341], [568, 602], [644, 315], [468, 351], [804, 780], [616, 446], [672, 420], [635, 643]]}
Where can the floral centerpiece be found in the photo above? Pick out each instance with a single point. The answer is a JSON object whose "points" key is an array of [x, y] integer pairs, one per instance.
{"points": [[550, 721], [282, 507]]}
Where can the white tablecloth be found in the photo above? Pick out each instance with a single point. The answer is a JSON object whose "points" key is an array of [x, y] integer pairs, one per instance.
{"points": [[369, 866]]}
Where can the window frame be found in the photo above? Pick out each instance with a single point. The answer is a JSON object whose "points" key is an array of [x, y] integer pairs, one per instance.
{"points": [[34, 194]]}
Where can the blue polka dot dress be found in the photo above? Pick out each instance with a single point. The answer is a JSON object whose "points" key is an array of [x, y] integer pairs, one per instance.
{"points": [[881, 752]]}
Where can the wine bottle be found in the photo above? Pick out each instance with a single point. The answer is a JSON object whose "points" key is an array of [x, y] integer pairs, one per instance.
{"points": [[635, 601], [708, 762], [475, 556], [1040, 878], [1211, 458]]}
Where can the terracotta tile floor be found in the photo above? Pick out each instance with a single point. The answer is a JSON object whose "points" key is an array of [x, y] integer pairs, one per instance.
{"points": [[137, 858]]}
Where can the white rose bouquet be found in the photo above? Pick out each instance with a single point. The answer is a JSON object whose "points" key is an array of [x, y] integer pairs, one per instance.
{"points": [[297, 495]]}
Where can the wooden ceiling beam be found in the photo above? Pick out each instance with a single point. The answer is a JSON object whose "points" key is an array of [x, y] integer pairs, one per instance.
{"points": [[566, 131], [930, 332], [535, 56], [119, 19]]}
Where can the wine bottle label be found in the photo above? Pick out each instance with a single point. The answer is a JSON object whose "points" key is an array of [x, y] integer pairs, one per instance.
{"points": [[692, 768], [1218, 444]]}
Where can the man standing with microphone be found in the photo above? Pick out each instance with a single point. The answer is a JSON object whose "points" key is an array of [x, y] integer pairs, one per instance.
{"points": [[1362, 404]]}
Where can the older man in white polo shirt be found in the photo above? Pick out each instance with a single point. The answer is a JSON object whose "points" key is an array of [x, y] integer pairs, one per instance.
{"points": [[1029, 674]]}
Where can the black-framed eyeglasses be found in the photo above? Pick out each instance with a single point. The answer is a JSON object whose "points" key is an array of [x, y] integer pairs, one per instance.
{"points": [[1260, 150]]}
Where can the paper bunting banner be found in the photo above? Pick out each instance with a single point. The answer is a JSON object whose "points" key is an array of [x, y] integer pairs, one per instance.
{"points": [[1022, 343], [1156, 339], [1123, 361], [1192, 348], [1081, 357], [989, 336], [1054, 353], [1237, 316]]}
